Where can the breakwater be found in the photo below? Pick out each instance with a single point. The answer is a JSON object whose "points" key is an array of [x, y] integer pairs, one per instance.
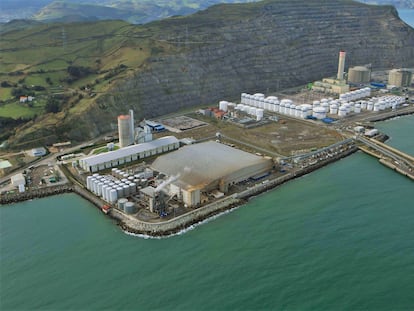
{"points": [[33, 194], [166, 228]]}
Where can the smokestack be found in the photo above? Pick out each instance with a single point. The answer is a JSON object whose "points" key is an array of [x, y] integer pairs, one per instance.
{"points": [[341, 65], [132, 125]]}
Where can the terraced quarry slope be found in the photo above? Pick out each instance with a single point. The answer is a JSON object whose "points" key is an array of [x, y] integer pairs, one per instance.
{"points": [[219, 53]]}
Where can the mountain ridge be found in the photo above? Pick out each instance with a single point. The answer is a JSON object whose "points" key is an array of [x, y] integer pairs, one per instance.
{"points": [[228, 49]]}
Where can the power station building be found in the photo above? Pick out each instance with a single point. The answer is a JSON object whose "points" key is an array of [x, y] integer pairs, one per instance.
{"points": [[359, 74], [207, 167], [128, 154], [331, 85], [400, 77]]}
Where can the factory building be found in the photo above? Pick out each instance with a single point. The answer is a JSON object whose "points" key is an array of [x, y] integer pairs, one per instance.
{"points": [[400, 77], [118, 157], [331, 85], [359, 74], [207, 167]]}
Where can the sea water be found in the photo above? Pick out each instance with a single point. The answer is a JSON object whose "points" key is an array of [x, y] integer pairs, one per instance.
{"points": [[340, 238]]}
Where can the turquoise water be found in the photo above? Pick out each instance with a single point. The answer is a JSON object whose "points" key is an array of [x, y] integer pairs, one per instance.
{"points": [[340, 238], [407, 15]]}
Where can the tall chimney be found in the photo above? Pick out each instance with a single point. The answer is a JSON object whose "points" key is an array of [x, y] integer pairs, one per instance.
{"points": [[132, 126], [341, 65]]}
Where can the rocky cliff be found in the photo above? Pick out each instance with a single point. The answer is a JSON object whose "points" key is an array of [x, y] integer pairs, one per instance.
{"points": [[262, 48], [258, 47]]}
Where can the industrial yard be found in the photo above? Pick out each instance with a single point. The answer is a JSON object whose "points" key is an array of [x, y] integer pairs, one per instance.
{"points": [[170, 172]]}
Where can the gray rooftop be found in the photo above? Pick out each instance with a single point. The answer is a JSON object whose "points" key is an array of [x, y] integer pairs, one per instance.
{"points": [[200, 164], [130, 150]]}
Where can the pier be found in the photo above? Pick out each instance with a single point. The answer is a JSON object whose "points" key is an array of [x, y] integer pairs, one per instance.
{"points": [[391, 157]]}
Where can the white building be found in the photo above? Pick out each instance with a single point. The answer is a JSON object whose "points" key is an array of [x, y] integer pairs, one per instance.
{"points": [[118, 157], [37, 152], [17, 180]]}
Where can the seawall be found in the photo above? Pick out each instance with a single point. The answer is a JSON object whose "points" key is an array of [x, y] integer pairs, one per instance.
{"points": [[33, 194], [166, 228]]}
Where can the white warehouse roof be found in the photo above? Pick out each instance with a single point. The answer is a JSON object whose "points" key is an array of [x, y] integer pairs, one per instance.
{"points": [[200, 164], [130, 150], [18, 179]]}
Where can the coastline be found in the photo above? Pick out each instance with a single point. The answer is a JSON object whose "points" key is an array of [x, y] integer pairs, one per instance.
{"points": [[195, 217]]}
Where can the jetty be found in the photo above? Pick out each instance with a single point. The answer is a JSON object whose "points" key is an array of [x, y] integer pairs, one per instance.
{"points": [[391, 157]]}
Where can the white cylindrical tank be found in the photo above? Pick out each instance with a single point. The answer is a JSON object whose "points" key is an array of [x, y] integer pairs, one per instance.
{"points": [[121, 203], [100, 185], [223, 105], [376, 107], [333, 109], [113, 196], [357, 108], [88, 182], [298, 111], [305, 112], [104, 187], [282, 107], [120, 192], [370, 106], [129, 207], [132, 188], [342, 111], [348, 107], [95, 186], [325, 105], [126, 190], [319, 113], [363, 105], [259, 114], [382, 105]]}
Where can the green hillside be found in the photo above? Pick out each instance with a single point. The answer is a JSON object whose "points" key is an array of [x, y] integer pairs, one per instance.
{"points": [[66, 67], [83, 74]]}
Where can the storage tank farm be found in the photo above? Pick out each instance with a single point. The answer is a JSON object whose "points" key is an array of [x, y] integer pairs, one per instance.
{"points": [[257, 105], [117, 187]]}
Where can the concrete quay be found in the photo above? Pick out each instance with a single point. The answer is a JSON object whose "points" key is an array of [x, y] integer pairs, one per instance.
{"points": [[166, 228], [389, 156]]}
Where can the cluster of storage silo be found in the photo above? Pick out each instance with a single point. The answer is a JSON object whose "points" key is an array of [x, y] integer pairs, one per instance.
{"points": [[126, 206], [354, 95], [272, 104], [342, 108], [254, 112], [109, 188], [226, 106]]}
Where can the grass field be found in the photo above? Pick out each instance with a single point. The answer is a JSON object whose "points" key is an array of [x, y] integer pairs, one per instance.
{"points": [[18, 110]]}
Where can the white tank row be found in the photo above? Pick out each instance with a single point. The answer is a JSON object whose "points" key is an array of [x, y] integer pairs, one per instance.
{"points": [[109, 188], [357, 94], [256, 104]]}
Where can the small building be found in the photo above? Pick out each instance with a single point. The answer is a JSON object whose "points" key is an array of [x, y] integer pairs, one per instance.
{"points": [[18, 179], [330, 86], [23, 99], [37, 152], [128, 154], [359, 129], [371, 132], [155, 127]]}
